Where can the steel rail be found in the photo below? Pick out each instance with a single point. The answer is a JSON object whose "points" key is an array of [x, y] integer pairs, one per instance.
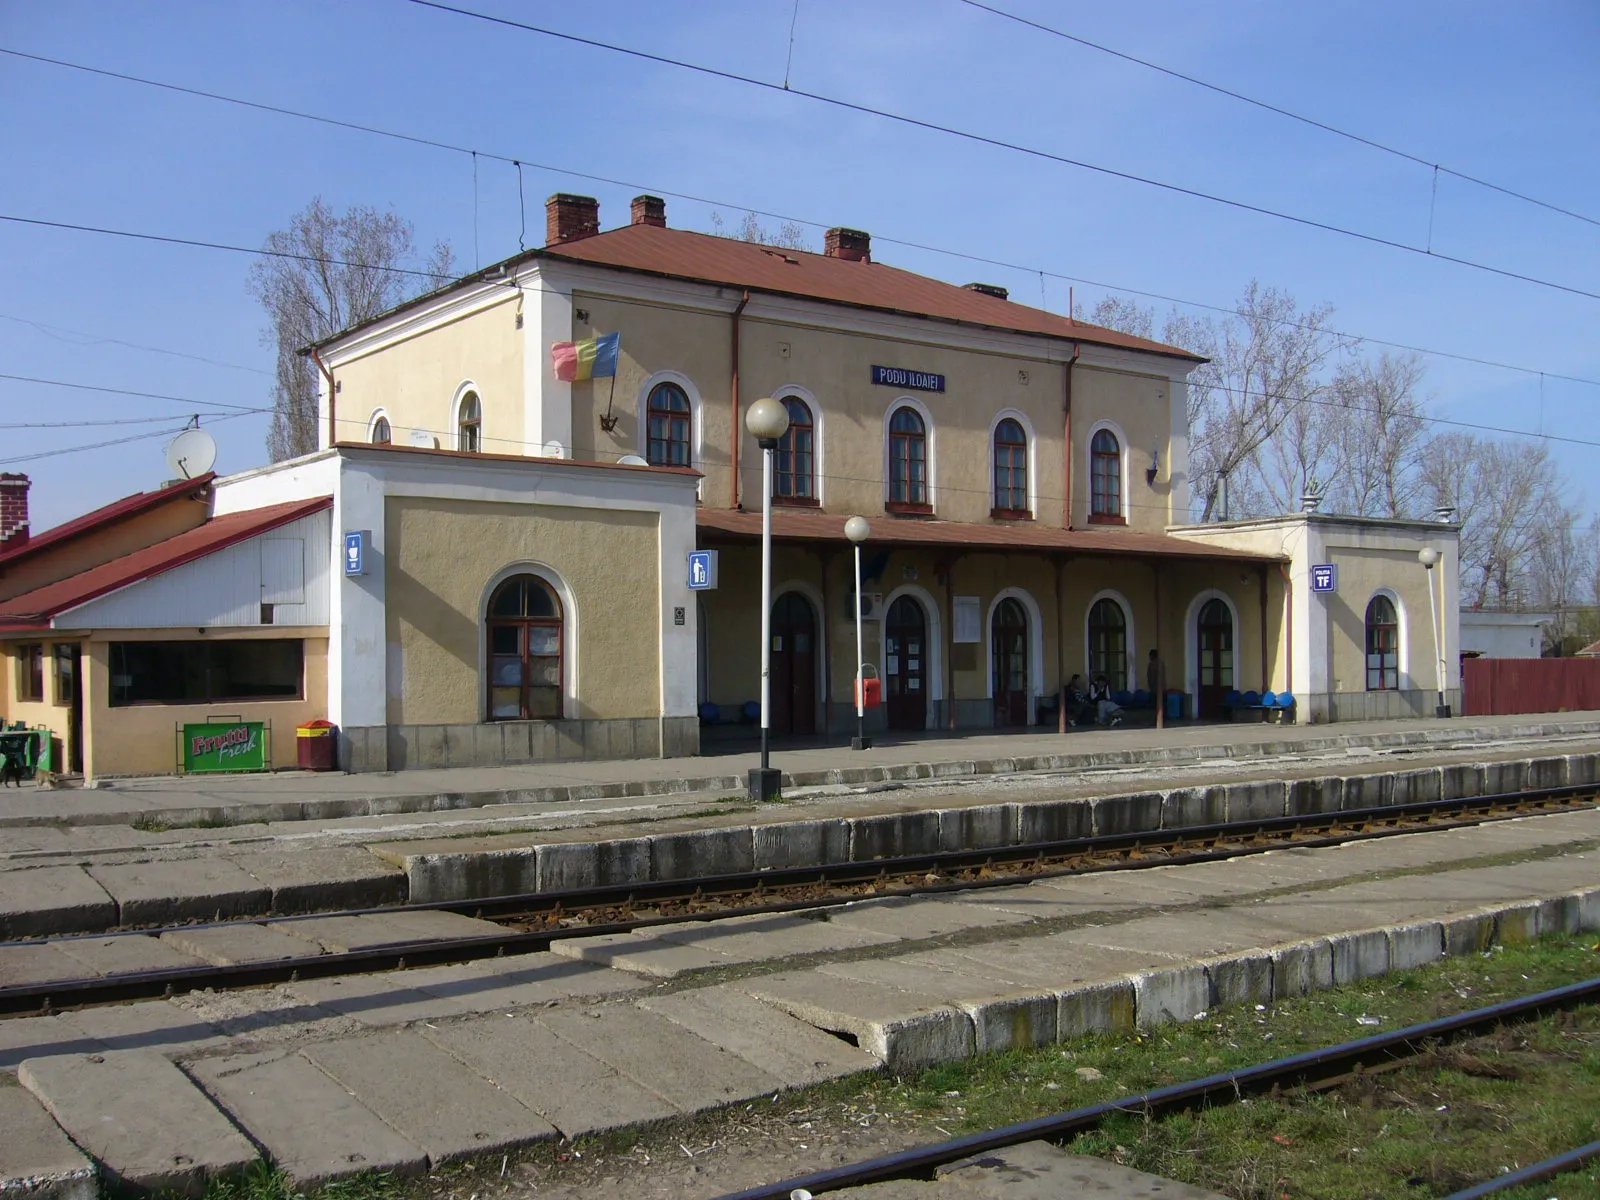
{"points": [[924, 875], [1533, 1173], [1307, 1069]]}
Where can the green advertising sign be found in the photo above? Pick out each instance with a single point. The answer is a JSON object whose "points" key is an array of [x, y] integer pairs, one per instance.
{"points": [[226, 746]]}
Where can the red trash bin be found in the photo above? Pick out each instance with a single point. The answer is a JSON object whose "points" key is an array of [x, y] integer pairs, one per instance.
{"points": [[318, 746]]}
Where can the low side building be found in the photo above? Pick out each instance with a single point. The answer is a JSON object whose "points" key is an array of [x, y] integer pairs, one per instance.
{"points": [[1497, 633]]}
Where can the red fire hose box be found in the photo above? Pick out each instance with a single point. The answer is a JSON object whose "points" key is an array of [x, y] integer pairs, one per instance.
{"points": [[318, 745]]}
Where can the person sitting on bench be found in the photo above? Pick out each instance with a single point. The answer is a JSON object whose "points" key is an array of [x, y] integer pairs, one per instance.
{"points": [[1107, 711]]}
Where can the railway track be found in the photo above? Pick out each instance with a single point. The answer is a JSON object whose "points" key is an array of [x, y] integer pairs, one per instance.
{"points": [[1312, 1070], [532, 922]]}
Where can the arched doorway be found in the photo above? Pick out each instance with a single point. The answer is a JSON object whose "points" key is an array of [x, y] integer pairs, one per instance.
{"points": [[794, 665], [1214, 637], [1009, 653], [905, 632]]}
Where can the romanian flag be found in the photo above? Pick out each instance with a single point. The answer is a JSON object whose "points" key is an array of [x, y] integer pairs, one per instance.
{"points": [[592, 358]]}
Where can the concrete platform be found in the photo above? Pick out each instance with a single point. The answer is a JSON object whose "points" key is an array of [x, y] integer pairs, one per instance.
{"points": [[37, 1160], [46, 900]]}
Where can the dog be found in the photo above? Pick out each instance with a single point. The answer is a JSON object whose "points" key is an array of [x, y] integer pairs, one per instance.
{"points": [[11, 769]]}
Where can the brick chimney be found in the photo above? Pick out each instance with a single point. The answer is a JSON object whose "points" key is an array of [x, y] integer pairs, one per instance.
{"points": [[650, 210], [13, 510], [849, 244], [568, 218], [989, 289]]}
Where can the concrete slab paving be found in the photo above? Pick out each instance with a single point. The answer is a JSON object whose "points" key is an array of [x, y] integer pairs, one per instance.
{"points": [[124, 954], [904, 1030], [1042, 1171], [920, 917], [429, 1097], [309, 1124], [789, 1050], [771, 936], [390, 998], [1178, 935], [346, 935], [41, 1037], [227, 945], [158, 1025], [1004, 1015], [1051, 900], [37, 1160], [575, 1092], [525, 980], [639, 954], [339, 877], [690, 1073], [191, 889], [431, 923], [46, 900], [141, 1118], [24, 964]]}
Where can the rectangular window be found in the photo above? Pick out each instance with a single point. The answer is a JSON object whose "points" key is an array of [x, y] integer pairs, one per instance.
{"points": [[30, 671], [206, 672], [66, 664]]}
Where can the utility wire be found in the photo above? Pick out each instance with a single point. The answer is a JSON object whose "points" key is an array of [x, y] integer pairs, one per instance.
{"points": [[1437, 168], [692, 198], [97, 424], [137, 437], [1002, 144], [93, 339], [238, 409]]}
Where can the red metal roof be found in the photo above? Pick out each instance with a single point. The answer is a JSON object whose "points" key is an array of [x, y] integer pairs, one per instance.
{"points": [[794, 526], [35, 608], [117, 510], [705, 258]]}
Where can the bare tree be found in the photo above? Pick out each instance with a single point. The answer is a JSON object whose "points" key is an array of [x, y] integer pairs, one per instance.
{"points": [[1562, 573], [791, 235], [325, 273], [1377, 427]]}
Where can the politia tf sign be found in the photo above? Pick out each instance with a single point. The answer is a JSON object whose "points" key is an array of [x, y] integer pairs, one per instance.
{"points": [[224, 746], [922, 381], [1325, 577]]}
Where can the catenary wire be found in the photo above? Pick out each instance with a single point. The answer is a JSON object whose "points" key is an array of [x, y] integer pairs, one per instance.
{"points": [[97, 424], [695, 199], [1282, 112], [94, 339], [239, 409], [1003, 144], [136, 437]]}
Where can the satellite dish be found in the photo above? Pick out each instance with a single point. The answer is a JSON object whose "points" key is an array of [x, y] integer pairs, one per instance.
{"points": [[193, 452], [553, 450], [422, 440], [631, 460]]}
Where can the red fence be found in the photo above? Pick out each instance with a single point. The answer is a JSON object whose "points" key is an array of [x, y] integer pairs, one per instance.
{"points": [[1497, 686]]}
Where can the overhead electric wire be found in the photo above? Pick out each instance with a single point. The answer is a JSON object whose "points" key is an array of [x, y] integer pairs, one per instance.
{"points": [[137, 437], [237, 409], [1282, 112], [677, 195], [1001, 144], [167, 419], [93, 339]]}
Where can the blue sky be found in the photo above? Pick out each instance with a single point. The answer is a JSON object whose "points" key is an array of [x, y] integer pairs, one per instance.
{"points": [[1508, 93]]}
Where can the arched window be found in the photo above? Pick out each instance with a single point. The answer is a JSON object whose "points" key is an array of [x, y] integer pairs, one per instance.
{"points": [[795, 460], [469, 424], [1383, 646], [908, 458], [1105, 475], [525, 650], [1010, 468], [1108, 642], [669, 417], [381, 436]]}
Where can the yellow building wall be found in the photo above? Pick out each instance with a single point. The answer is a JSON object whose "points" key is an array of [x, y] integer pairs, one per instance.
{"points": [[141, 739], [34, 713], [1362, 574], [113, 541], [416, 380], [1140, 407], [440, 557]]}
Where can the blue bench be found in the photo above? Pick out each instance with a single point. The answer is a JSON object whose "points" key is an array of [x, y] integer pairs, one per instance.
{"points": [[1268, 704], [747, 713]]}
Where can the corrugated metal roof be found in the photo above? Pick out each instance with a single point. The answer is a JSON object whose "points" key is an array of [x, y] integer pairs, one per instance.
{"points": [[790, 525], [117, 510], [36, 607]]}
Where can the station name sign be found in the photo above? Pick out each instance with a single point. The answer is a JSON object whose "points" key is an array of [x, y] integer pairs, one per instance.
{"points": [[922, 381]]}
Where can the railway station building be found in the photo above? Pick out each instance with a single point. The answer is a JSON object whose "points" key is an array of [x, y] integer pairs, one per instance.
{"points": [[522, 463]]}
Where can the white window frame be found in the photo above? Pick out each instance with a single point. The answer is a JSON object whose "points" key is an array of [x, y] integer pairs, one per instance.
{"points": [[929, 444], [1031, 455], [1088, 468], [1132, 648], [462, 391]]}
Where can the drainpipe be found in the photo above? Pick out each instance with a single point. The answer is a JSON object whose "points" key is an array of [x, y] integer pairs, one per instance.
{"points": [[333, 424], [733, 389], [1288, 630], [1066, 437]]}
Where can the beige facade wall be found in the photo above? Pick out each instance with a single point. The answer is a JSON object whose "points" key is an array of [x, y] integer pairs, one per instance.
{"points": [[832, 369], [1363, 573], [141, 739], [49, 713], [443, 556], [416, 381], [80, 553]]}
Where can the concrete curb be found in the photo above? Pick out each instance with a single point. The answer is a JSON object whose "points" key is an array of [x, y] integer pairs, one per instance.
{"points": [[497, 865]]}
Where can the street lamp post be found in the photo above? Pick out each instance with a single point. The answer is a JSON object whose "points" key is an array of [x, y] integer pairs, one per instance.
{"points": [[768, 421], [1429, 558], [857, 529]]}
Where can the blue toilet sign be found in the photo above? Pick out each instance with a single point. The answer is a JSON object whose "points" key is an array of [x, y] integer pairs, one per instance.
{"points": [[702, 570], [355, 551], [1325, 577]]}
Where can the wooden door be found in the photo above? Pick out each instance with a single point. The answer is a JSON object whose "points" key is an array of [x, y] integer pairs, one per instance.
{"points": [[1009, 654], [905, 665], [794, 665], [1215, 639]]}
